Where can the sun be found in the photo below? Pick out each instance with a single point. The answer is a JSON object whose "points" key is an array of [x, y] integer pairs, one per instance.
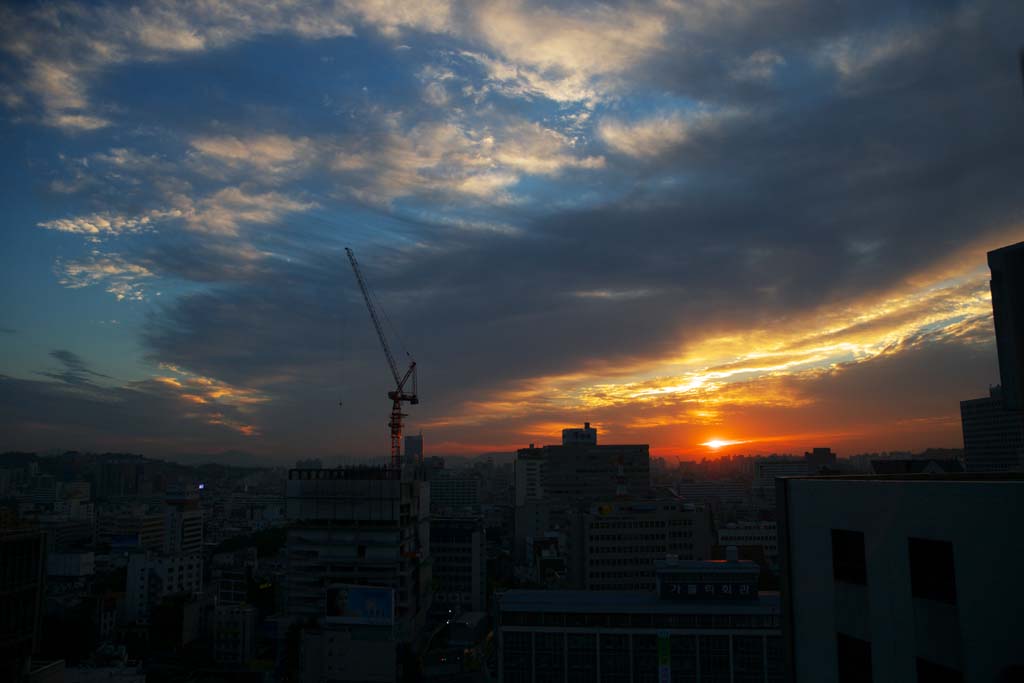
{"points": [[715, 444]]}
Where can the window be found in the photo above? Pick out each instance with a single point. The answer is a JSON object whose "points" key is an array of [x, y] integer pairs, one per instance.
{"points": [[930, 672], [853, 659], [848, 560], [931, 570]]}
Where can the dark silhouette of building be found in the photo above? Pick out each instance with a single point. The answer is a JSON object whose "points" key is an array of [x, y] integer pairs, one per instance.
{"points": [[993, 435], [22, 572], [1007, 266]]}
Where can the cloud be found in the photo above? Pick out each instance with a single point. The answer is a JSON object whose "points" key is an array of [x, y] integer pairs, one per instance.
{"points": [[118, 276], [226, 210], [75, 371], [105, 224], [269, 154], [758, 67], [646, 138]]}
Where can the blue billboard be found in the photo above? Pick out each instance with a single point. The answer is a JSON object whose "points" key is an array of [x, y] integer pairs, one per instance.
{"points": [[347, 604]]}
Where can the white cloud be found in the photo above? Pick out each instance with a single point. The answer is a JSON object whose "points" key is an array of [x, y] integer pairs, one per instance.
{"points": [[226, 210], [101, 224], [271, 154], [120, 277], [647, 138]]}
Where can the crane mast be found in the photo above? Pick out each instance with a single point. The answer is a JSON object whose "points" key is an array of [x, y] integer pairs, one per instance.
{"points": [[399, 395]]}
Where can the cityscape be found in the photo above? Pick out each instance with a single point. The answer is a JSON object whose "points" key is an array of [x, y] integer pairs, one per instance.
{"points": [[509, 342]]}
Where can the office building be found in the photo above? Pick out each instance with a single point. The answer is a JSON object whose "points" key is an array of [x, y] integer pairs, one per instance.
{"points": [[993, 435], [413, 452], [358, 536], [151, 578], [616, 543], [234, 633], [457, 489], [22, 587], [704, 621], [551, 480], [1007, 267], [131, 527], [183, 524], [763, 535], [458, 552], [902, 577], [766, 470]]}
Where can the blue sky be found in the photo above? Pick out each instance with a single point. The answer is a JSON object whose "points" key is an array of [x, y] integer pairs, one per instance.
{"points": [[680, 220]]}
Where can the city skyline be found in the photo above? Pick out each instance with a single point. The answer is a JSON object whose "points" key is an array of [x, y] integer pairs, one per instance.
{"points": [[717, 231]]}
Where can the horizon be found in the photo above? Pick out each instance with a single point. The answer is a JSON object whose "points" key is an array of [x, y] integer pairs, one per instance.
{"points": [[747, 229]]}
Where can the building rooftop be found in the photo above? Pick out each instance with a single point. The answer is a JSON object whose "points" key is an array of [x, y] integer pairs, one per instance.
{"points": [[937, 478], [622, 602]]}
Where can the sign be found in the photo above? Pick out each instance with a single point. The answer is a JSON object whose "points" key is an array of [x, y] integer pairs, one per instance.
{"points": [[704, 590], [360, 605]]}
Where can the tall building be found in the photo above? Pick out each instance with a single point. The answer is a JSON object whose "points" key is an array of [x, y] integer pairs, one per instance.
{"points": [[552, 480], [766, 470], [22, 576], [358, 563], [902, 577], [183, 524], [704, 622], [1007, 266], [413, 453], [458, 552], [151, 578], [457, 489], [617, 543], [993, 435]]}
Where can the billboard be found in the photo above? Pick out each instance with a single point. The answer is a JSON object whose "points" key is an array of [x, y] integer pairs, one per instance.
{"points": [[347, 604]]}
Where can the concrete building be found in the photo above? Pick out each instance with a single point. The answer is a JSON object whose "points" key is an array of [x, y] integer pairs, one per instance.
{"points": [[151, 578], [22, 588], [902, 577], [413, 453], [457, 489], [357, 527], [131, 526], [551, 480], [1007, 267], [234, 633], [183, 524], [458, 552], [764, 535], [704, 622], [616, 544], [993, 435], [766, 470]]}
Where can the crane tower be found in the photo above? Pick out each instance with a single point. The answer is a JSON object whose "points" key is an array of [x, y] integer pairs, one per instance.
{"points": [[399, 395]]}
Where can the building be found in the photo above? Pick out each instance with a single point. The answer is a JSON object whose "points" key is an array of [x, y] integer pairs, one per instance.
{"points": [[551, 480], [705, 621], [993, 435], [458, 552], [357, 536], [131, 527], [22, 586], [617, 543], [234, 633], [413, 453], [183, 524], [763, 535], [902, 577], [766, 470], [1007, 266], [457, 489], [714, 492], [820, 457], [915, 466], [151, 578]]}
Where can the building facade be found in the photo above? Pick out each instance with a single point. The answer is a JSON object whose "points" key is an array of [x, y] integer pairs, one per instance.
{"points": [[458, 553], [704, 622], [1007, 267], [902, 577], [993, 435]]}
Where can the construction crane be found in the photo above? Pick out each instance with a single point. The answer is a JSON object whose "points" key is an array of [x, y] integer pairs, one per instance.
{"points": [[399, 395]]}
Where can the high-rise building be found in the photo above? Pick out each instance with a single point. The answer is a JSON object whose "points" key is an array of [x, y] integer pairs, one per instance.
{"points": [[456, 489], [458, 553], [22, 576], [151, 578], [615, 544], [552, 480], [704, 621], [234, 633], [993, 435], [183, 524], [902, 577], [358, 563], [413, 453], [1007, 266]]}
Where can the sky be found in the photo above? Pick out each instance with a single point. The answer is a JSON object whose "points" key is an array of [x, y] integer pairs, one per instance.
{"points": [[754, 223]]}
